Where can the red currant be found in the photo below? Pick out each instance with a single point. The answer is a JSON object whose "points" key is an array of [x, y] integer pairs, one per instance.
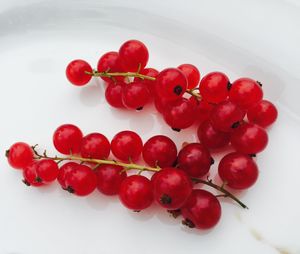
{"points": [[133, 55], [245, 92], [67, 139], [135, 95], [19, 155], [76, 72], [136, 192], [238, 170], [203, 109], [113, 94], [127, 145], [30, 175], [214, 87], [202, 210], [110, 178], [47, 170], [160, 151], [171, 187], [64, 171], [95, 145], [160, 104], [263, 113], [194, 159], [192, 74], [149, 83], [249, 138]]}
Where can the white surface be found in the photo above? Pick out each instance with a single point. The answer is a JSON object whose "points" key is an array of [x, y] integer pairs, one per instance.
{"points": [[259, 39]]}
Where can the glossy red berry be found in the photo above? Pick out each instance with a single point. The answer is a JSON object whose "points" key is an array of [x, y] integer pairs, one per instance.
{"points": [[211, 138], [171, 84], [81, 181], [133, 55], [203, 109], [47, 170], [160, 104], [19, 155], [245, 92], [76, 72], [171, 187], [159, 151], [194, 159], [127, 145], [226, 116], [263, 113], [135, 95], [30, 175], [95, 145], [67, 139], [202, 210], [149, 83], [214, 87], [136, 192], [192, 74], [64, 171], [110, 178], [113, 94], [238, 170], [249, 138]]}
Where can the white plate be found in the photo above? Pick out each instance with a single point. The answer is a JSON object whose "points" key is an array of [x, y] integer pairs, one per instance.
{"points": [[259, 39]]}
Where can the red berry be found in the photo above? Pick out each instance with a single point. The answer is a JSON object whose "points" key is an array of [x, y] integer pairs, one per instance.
{"points": [[194, 159], [171, 84], [67, 139], [133, 54], [238, 170], [110, 62], [171, 187], [226, 116], [160, 104], [263, 113], [127, 145], [180, 114], [249, 138], [245, 92], [76, 72], [149, 83], [202, 210], [135, 95], [64, 171], [19, 155], [160, 151], [47, 170], [95, 145], [212, 138], [214, 87], [113, 94], [203, 109], [192, 74], [30, 175], [81, 181], [110, 178], [136, 192]]}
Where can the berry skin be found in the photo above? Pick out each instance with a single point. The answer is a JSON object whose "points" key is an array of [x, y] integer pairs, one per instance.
{"points": [[149, 83], [238, 170], [113, 94], [95, 145], [171, 84], [159, 151], [75, 72], [203, 109], [67, 139], [249, 138], [171, 187], [194, 159], [64, 171], [81, 181], [47, 170], [135, 95], [30, 175], [214, 87], [136, 192], [245, 92], [192, 74], [19, 155], [127, 145], [202, 210], [211, 138], [160, 104], [133, 54], [110, 62], [180, 114], [109, 179], [263, 113], [226, 116]]}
